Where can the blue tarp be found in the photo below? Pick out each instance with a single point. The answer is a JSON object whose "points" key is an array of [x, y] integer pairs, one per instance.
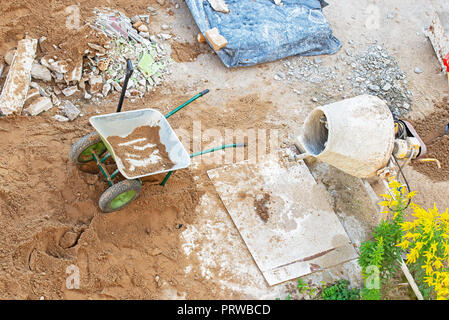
{"points": [[260, 31]]}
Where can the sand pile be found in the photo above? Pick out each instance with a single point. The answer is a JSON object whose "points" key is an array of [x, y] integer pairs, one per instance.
{"points": [[141, 152], [432, 132]]}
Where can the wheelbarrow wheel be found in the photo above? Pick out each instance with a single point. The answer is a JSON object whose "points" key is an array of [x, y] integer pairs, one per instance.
{"points": [[119, 195], [81, 151]]}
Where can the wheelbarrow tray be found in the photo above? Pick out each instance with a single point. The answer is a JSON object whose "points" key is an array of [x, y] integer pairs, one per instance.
{"points": [[123, 123]]}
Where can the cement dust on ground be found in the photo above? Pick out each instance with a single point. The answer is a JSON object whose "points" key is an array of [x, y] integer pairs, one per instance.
{"points": [[178, 242]]}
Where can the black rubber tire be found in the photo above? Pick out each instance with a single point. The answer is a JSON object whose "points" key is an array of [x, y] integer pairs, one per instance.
{"points": [[117, 189], [81, 145]]}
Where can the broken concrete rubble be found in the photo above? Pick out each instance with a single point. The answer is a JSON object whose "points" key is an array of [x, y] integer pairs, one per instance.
{"points": [[70, 110], [38, 106], [70, 91], [9, 56], [32, 93], [219, 5], [18, 80], [58, 66], [96, 83], [216, 39], [98, 71], [40, 72], [74, 74], [164, 36], [60, 118]]}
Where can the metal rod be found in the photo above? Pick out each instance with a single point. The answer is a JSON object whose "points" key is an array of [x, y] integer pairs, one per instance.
{"points": [[129, 72], [106, 156], [166, 178], [234, 145], [114, 174], [102, 169], [199, 95]]}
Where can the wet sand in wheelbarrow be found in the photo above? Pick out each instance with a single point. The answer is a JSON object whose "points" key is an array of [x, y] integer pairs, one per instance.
{"points": [[142, 151]]}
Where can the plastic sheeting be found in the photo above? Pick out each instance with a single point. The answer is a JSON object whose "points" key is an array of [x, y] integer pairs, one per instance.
{"points": [[260, 31]]}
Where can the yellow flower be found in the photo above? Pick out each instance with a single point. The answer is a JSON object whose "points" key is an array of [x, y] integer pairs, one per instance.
{"points": [[433, 247], [429, 255], [384, 203], [394, 184], [386, 196], [412, 256], [407, 225], [419, 245], [429, 280], [438, 264], [412, 236], [444, 216], [404, 244], [428, 268], [411, 194], [446, 248]]}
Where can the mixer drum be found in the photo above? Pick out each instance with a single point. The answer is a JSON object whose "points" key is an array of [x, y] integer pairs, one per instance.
{"points": [[354, 135]]}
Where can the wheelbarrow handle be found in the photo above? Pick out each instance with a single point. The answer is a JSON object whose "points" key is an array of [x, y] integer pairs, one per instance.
{"points": [[233, 145], [199, 95], [129, 72]]}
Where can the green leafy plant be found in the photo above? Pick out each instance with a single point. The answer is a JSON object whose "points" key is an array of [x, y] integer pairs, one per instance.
{"points": [[370, 294], [302, 286], [381, 257], [340, 291]]}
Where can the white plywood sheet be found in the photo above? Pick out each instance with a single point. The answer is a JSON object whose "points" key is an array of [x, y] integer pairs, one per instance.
{"points": [[302, 233]]}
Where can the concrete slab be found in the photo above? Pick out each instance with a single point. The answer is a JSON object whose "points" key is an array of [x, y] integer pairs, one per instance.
{"points": [[301, 233], [18, 80]]}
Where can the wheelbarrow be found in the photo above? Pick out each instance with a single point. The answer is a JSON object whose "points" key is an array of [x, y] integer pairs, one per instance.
{"points": [[94, 148]]}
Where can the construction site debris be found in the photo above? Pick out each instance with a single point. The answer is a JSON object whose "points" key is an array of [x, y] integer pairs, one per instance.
{"points": [[60, 118], [69, 91], [18, 80], [40, 72], [200, 38], [9, 56], [438, 34], [219, 5], [38, 106], [129, 44], [374, 69], [216, 39], [70, 110], [306, 69], [96, 67]]}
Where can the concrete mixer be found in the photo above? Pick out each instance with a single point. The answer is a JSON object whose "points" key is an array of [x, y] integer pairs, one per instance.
{"points": [[360, 137]]}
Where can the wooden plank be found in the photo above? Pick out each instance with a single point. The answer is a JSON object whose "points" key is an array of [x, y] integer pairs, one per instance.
{"points": [[438, 34], [17, 82]]}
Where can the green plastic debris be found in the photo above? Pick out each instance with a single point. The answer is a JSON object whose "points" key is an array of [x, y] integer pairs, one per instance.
{"points": [[146, 65]]}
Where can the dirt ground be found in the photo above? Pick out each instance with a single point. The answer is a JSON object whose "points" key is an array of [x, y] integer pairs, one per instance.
{"points": [[177, 241]]}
